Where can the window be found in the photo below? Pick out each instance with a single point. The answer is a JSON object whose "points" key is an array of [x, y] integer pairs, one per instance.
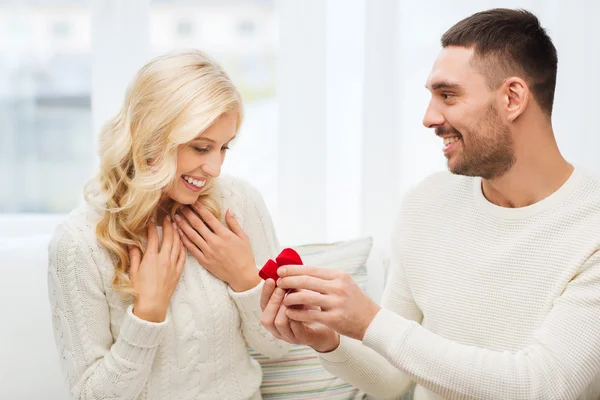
{"points": [[61, 29], [46, 143], [185, 28], [246, 28]]}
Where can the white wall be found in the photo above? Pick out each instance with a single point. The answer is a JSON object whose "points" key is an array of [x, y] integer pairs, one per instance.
{"points": [[575, 35], [120, 46]]}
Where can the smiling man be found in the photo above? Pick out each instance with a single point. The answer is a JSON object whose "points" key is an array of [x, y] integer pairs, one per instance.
{"points": [[494, 290]]}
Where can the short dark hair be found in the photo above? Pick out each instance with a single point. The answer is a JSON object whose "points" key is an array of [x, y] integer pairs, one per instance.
{"points": [[508, 42]]}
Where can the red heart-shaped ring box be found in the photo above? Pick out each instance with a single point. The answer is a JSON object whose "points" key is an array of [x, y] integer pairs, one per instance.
{"points": [[286, 257]]}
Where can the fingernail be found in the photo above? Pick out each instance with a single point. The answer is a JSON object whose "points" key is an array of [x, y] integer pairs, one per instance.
{"points": [[153, 219], [281, 271], [231, 212], [177, 218], [168, 218], [175, 225], [180, 232]]}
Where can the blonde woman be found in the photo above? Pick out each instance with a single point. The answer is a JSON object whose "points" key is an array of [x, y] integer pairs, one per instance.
{"points": [[135, 315]]}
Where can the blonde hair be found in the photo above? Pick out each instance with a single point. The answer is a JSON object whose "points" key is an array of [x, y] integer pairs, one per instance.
{"points": [[170, 101]]}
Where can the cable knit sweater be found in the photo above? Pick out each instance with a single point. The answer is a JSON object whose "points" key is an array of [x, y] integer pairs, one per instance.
{"points": [[486, 302], [199, 352]]}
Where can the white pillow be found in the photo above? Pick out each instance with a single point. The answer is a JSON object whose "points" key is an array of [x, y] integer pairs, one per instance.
{"points": [[299, 375]]}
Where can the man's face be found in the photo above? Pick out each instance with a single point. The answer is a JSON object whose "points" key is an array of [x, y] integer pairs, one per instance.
{"points": [[463, 113]]}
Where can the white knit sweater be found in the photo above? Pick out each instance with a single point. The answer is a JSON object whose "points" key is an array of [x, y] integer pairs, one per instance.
{"points": [[486, 302], [199, 352]]}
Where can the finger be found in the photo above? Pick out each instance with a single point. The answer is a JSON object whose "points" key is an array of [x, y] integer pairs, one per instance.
{"points": [[192, 248], [234, 225], [306, 315], [269, 314], [176, 248], [298, 329], [274, 303], [197, 224], [181, 258], [217, 227], [266, 293], [308, 298], [314, 308], [305, 282], [282, 324], [167, 240], [190, 233], [152, 244], [135, 258], [295, 270]]}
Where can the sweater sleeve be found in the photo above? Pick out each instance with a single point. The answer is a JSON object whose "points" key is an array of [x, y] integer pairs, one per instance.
{"points": [[95, 365], [559, 363], [259, 228], [363, 367]]}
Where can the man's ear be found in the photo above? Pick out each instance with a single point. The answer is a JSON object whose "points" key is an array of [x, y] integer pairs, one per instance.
{"points": [[515, 96]]}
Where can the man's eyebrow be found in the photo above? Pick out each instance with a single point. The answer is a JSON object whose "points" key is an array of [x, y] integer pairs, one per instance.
{"points": [[444, 85]]}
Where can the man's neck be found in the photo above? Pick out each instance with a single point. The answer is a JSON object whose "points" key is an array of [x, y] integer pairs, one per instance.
{"points": [[531, 179]]}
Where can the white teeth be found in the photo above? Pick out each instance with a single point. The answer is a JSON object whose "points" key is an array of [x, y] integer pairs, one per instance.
{"points": [[194, 182], [450, 140]]}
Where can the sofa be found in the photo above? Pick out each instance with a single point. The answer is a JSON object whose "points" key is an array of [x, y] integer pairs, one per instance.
{"points": [[30, 368]]}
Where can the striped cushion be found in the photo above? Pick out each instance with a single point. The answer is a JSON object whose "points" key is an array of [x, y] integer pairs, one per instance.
{"points": [[299, 375]]}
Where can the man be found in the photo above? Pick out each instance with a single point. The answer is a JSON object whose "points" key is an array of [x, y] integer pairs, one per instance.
{"points": [[495, 279]]}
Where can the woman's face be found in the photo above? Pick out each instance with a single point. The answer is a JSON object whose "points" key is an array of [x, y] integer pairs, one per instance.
{"points": [[201, 159]]}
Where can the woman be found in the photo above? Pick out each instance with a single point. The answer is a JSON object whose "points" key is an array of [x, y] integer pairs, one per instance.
{"points": [[136, 316]]}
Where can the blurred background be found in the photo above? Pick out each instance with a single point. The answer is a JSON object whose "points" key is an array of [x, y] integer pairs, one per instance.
{"points": [[333, 91]]}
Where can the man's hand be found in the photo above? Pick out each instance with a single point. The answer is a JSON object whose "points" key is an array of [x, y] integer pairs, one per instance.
{"points": [[332, 297], [274, 318]]}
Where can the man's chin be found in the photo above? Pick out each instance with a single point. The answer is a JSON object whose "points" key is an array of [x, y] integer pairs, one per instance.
{"points": [[461, 169], [454, 167]]}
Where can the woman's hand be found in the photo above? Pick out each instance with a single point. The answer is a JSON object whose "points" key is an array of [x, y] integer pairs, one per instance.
{"points": [[274, 318], [224, 251], [154, 276]]}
